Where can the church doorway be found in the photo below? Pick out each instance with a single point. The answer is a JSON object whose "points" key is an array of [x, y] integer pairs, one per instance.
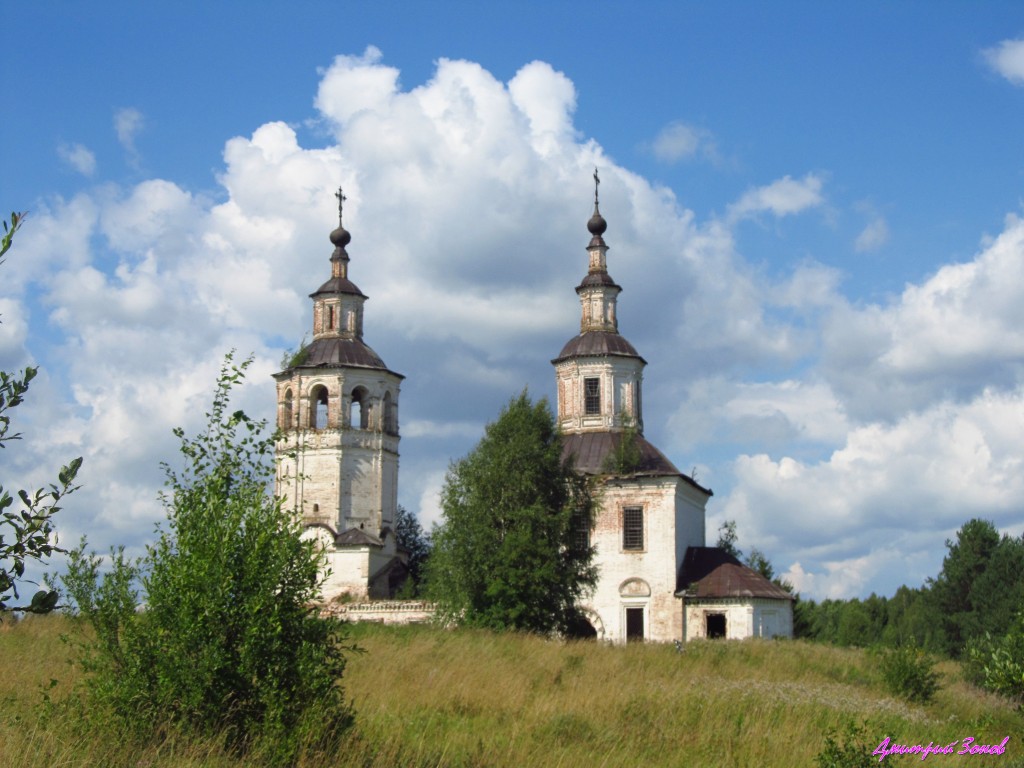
{"points": [[634, 625], [715, 625]]}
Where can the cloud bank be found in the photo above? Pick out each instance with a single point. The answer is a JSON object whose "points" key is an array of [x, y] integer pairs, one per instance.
{"points": [[871, 429]]}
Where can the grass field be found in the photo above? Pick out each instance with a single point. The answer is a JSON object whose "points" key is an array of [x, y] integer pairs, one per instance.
{"points": [[430, 697]]}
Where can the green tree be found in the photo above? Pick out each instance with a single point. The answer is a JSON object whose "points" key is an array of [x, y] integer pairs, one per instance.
{"points": [[228, 642], [728, 538], [410, 537], [26, 531], [509, 554], [952, 592]]}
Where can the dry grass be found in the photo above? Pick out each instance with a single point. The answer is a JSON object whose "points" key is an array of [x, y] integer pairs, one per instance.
{"points": [[428, 697]]}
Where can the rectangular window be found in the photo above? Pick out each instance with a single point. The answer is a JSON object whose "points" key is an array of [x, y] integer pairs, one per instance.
{"points": [[591, 397], [633, 528], [580, 536]]}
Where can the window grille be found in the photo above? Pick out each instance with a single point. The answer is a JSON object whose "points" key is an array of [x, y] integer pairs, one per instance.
{"points": [[592, 397], [580, 532], [633, 528]]}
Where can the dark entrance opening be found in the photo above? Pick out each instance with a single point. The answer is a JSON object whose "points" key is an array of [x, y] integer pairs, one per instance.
{"points": [[581, 629], [715, 625], [634, 625]]}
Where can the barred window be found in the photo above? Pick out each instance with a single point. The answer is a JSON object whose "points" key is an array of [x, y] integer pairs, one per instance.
{"points": [[592, 397], [580, 535], [633, 528]]}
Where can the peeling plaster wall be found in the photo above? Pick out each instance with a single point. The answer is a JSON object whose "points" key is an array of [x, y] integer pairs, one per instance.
{"points": [[672, 521], [744, 617]]}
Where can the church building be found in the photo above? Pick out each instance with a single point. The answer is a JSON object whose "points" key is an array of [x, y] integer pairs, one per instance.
{"points": [[337, 460], [337, 408], [648, 512]]}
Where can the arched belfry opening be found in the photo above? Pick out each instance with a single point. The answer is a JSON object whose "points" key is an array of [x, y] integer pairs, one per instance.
{"points": [[359, 409], [287, 410], [318, 407], [390, 414]]}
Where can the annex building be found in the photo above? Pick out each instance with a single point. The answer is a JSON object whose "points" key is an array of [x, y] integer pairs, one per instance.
{"points": [[338, 469]]}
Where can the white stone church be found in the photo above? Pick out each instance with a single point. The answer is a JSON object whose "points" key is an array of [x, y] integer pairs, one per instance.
{"points": [[338, 469]]}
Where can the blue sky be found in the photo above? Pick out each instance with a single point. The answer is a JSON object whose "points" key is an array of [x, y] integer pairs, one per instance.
{"points": [[814, 210]]}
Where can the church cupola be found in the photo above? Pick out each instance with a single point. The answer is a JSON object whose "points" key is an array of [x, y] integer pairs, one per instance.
{"points": [[597, 291], [599, 372], [338, 303]]}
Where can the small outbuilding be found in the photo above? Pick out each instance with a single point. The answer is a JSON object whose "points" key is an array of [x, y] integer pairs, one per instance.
{"points": [[722, 598]]}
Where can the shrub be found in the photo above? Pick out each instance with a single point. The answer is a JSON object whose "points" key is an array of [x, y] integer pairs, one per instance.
{"points": [[227, 643], [997, 663], [909, 673], [846, 750]]}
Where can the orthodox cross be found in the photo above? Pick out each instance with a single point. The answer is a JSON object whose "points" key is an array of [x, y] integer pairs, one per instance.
{"points": [[597, 183], [341, 201]]}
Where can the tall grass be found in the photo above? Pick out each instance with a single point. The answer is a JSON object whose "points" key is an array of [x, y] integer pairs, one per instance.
{"points": [[429, 697]]}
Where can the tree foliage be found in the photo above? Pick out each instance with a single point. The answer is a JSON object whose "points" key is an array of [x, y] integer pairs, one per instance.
{"points": [[409, 536], [971, 610], [508, 554], [997, 663], [980, 587], [228, 641], [728, 538], [625, 457], [26, 529]]}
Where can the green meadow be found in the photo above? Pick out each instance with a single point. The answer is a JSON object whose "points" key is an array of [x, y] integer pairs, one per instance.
{"points": [[425, 696]]}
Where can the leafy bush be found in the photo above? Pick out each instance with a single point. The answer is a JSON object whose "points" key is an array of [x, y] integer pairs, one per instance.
{"points": [[852, 751], [909, 673], [227, 643], [997, 663], [26, 530]]}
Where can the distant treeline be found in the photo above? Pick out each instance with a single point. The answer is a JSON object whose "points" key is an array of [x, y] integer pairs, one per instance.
{"points": [[979, 591]]}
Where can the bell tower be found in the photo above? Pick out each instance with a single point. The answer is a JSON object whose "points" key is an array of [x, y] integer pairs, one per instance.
{"points": [[337, 459], [598, 373], [648, 512]]}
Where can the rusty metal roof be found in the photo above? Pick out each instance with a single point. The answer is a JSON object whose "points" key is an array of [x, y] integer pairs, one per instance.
{"points": [[358, 538], [338, 285], [589, 452], [333, 351], [596, 344], [712, 573], [597, 278]]}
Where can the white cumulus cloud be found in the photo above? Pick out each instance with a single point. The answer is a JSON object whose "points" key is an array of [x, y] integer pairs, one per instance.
{"points": [[1007, 59], [783, 197]]}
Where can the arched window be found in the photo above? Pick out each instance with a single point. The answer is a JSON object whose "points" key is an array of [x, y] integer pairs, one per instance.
{"points": [[390, 415], [359, 416], [330, 318], [287, 411], [318, 407]]}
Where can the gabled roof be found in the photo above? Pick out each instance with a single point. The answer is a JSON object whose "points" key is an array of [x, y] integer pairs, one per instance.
{"points": [[712, 573]]}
